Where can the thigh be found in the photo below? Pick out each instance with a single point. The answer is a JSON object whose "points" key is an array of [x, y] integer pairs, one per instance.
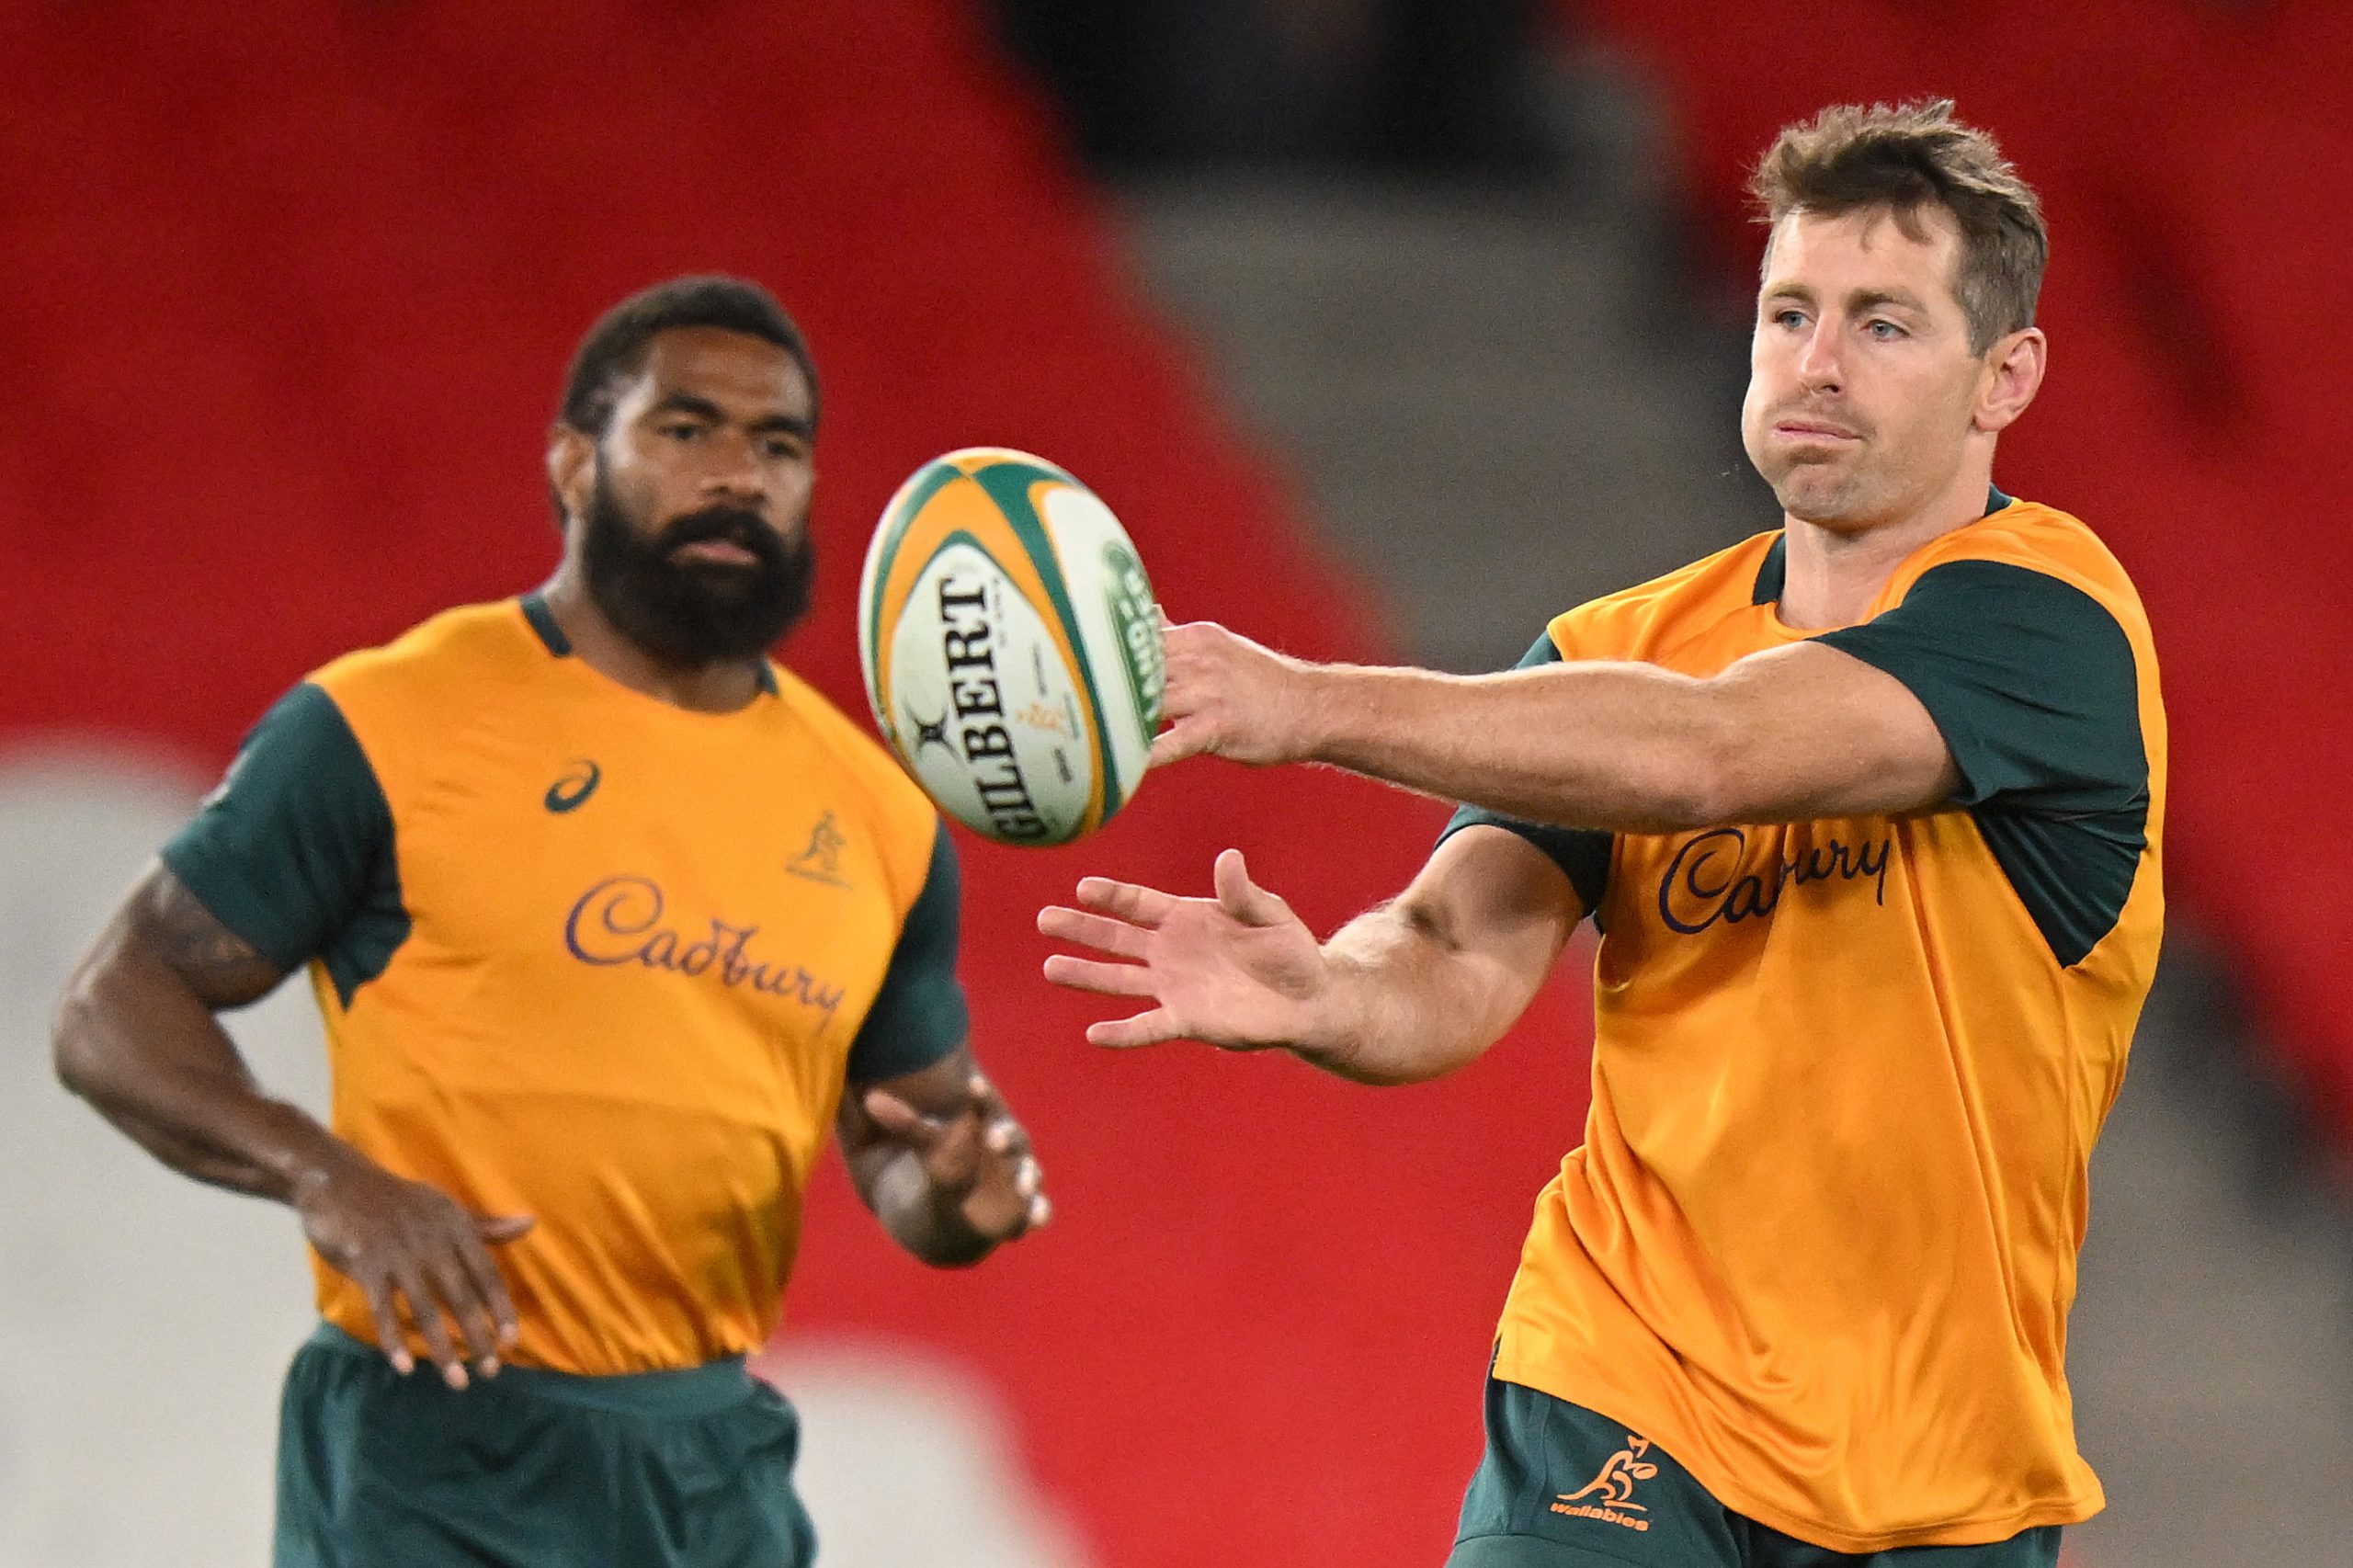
{"points": [[379, 1470], [715, 1490], [1562, 1486]]}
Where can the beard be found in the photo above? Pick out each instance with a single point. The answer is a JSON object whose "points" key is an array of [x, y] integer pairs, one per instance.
{"points": [[692, 615]]}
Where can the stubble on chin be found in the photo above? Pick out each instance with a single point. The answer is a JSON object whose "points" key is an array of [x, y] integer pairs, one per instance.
{"points": [[1816, 492]]}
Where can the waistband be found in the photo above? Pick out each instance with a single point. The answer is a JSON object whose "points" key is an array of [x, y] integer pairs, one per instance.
{"points": [[687, 1390]]}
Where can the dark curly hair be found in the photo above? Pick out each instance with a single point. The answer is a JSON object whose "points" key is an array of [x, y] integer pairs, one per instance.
{"points": [[614, 351]]}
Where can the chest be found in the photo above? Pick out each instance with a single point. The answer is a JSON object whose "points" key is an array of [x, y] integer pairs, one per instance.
{"points": [[1713, 882], [727, 869]]}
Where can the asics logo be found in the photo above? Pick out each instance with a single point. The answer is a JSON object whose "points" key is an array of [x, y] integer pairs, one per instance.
{"points": [[571, 791]]}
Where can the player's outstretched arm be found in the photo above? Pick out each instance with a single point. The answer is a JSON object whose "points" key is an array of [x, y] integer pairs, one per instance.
{"points": [[135, 1036], [1407, 992], [1795, 733], [939, 1159]]}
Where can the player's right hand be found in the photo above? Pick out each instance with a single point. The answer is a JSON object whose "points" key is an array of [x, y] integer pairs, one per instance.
{"points": [[1238, 970], [1225, 695], [420, 1257]]}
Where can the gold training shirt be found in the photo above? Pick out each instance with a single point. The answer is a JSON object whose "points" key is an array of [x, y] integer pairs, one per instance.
{"points": [[590, 957], [1819, 1242]]}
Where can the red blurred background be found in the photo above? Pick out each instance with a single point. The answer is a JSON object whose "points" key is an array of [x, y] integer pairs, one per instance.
{"points": [[288, 295]]}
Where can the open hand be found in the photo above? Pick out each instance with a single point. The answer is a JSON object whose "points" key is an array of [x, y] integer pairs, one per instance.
{"points": [[977, 1160], [420, 1258], [1238, 970]]}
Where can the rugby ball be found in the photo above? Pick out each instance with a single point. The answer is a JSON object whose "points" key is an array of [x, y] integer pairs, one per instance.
{"points": [[1011, 645]]}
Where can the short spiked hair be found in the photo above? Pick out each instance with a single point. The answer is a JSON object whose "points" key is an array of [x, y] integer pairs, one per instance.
{"points": [[1905, 157]]}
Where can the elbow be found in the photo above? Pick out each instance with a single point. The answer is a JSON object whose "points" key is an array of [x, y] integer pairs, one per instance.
{"points": [[76, 1036], [1708, 773], [1698, 787]]}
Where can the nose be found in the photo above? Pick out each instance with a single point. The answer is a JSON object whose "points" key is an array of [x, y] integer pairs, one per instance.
{"points": [[733, 471], [1817, 364]]}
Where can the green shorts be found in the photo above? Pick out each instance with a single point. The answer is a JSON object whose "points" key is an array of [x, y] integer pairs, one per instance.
{"points": [[533, 1469], [1562, 1487]]}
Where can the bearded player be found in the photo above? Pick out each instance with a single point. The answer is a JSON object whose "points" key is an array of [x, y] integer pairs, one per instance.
{"points": [[609, 917], [1867, 808]]}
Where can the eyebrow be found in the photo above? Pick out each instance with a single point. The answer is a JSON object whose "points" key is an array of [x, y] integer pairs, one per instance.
{"points": [[1861, 300], [703, 408]]}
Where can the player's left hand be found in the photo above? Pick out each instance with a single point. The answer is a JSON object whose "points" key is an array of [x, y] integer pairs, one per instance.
{"points": [[978, 1161], [1228, 696]]}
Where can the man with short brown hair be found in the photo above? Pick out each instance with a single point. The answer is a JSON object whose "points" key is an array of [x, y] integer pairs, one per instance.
{"points": [[1867, 808]]}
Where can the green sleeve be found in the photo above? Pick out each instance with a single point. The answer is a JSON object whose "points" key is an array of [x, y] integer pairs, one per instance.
{"points": [[294, 850], [1583, 853], [2035, 688], [920, 1014]]}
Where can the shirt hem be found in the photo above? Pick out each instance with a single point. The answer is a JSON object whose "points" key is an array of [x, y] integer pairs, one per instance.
{"points": [[1974, 1530]]}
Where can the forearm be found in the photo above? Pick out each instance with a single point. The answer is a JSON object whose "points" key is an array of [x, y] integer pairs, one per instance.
{"points": [[151, 1058], [1406, 1003], [1626, 746]]}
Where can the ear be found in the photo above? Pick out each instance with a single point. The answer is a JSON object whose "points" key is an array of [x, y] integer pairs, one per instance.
{"points": [[2013, 374], [571, 467]]}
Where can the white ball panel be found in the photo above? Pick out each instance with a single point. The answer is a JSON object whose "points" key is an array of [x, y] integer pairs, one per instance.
{"points": [[984, 712]]}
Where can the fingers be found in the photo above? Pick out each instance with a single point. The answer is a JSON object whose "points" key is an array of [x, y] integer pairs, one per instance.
{"points": [[1141, 906], [1243, 899], [1006, 1196], [1096, 931], [1155, 1027], [901, 1120], [1103, 978], [423, 1262], [490, 1291], [451, 1280], [1025, 1210], [389, 1333], [1184, 738], [464, 1300], [424, 1313], [989, 1105]]}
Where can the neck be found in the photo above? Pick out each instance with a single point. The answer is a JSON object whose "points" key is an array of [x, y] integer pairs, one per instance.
{"points": [[1832, 574], [702, 688]]}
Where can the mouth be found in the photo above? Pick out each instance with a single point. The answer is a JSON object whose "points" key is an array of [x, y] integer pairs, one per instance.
{"points": [[1812, 430], [714, 553]]}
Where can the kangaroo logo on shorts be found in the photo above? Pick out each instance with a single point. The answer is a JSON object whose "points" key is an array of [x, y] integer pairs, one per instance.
{"points": [[1616, 1485]]}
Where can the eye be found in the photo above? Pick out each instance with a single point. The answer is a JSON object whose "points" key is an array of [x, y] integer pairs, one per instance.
{"points": [[1884, 330], [781, 449], [682, 430], [1789, 319]]}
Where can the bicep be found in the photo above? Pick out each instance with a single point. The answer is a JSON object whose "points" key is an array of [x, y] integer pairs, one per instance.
{"points": [[1811, 730], [137, 1011], [163, 920], [919, 1017], [164, 936]]}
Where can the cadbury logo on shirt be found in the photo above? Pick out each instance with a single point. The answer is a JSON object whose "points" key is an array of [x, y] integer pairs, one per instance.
{"points": [[1708, 879], [618, 922]]}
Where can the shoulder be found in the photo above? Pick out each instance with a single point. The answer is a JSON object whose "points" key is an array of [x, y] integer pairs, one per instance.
{"points": [[1615, 624], [432, 661], [2029, 536]]}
